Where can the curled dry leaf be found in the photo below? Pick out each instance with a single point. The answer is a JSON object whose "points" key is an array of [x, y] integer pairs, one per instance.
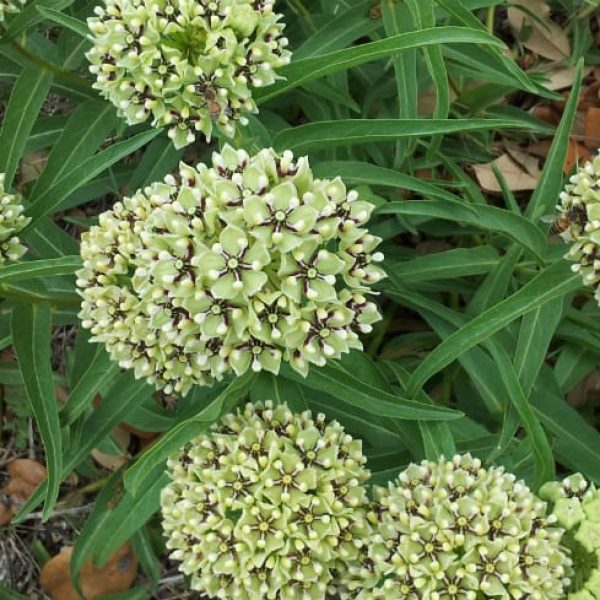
{"points": [[540, 35], [521, 172], [25, 476], [116, 576], [122, 438]]}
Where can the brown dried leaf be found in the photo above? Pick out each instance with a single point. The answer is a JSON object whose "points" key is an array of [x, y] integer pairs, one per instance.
{"points": [[541, 35], [576, 154], [25, 476], [116, 576], [592, 128], [518, 175], [560, 78], [113, 461]]}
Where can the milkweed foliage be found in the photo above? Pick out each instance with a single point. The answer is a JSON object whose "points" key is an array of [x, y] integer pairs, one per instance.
{"points": [[485, 328]]}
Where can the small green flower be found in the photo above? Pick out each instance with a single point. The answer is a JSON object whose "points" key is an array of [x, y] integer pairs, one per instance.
{"points": [[454, 530], [576, 505], [188, 65], [580, 222], [12, 221], [237, 266], [268, 505], [10, 6]]}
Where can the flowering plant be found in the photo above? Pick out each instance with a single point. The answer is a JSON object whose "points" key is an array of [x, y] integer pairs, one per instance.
{"points": [[576, 505], [12, 221], [186, 64], [232, 267], [269, 504], [452, 529]]}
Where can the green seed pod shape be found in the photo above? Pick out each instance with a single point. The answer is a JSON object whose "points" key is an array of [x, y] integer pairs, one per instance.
{"points": [[10, 6], [12, 221], [453, 530], [579, 222], [227, 268], [267, 505], [186, 64], [576, 505]]}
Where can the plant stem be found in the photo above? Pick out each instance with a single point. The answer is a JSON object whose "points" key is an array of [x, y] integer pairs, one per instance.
{"points": [[46, 66], [491, 19]]}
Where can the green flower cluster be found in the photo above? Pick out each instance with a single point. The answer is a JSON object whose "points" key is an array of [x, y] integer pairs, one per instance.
{"points": [[579, 222], [267, 505], [10, 6], [232, 267], [12, 221], [453, 530], [576, 505], [186, 63]]}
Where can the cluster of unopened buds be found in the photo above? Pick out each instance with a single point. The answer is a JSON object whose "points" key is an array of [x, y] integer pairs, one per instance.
{"points": [[453, 530], [579, 222], [186, 64], [576, 505], [232, 267], [10, 6], [266, 505], [12, 221]]}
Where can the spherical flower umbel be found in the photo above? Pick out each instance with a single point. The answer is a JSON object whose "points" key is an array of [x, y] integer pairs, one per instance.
{"points": [[579, 222], [453, 530], [232, 267], [576, 505], [12, 221], [186, 64], [10, 6], [266, 505]]}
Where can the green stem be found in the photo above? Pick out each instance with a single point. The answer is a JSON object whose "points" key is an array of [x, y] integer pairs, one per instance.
{"points": [[46, 66], [11, 294], [491, 19]]}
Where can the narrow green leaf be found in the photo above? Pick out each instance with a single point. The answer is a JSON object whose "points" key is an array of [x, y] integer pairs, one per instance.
{"points": [[397, 19], [546, 193], [50, 199], [460, 262], [45, 132], [485, 217], [535, 335], [26, 100], [334, 379], [271, 387], [87, 128], [340, 31], [142, 546], [355, 172], [119, 401], [555, 281], [159, 159], [437, 437], [29, 17], [156, 454], [39, 268], [101, 370], [32, 337], [577, 443], [65, 20], [343, 132], [540, 446], [308, 69]]}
